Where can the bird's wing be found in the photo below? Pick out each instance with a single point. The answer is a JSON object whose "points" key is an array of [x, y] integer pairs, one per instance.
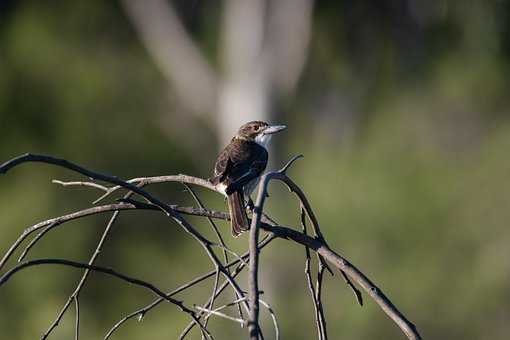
{"points": [[222, 166], [239, 163]]}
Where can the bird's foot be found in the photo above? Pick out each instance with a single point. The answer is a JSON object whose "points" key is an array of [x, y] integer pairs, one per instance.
{"points": [[250, 205]]}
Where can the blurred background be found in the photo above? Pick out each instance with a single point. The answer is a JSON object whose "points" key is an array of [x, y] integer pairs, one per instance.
{"points": [[400, 107]]}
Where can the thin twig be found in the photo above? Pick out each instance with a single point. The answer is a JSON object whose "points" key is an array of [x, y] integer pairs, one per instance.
{"points": [[275, 231], [81, 283], [242, 321], [318, 298], [80, 183], [242, 264], [75, 295], [77, 318], [341, 263], [309, 282], [5, 277], [317, 244], [293, 187], [34, 241], [204, 243], [144, 310], [284, 169], [55, 222], [262, 302], [215, 312], [209, 219], [162, 179], [207, 246], [221, 241], [253, 293], [188, 228], [273, 316], [355, 291], [253, 320], [86, 172]]}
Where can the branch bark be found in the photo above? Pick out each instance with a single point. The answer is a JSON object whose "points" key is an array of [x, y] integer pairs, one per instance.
{"points": [[316, 244], [322, 249], [4, 278]]}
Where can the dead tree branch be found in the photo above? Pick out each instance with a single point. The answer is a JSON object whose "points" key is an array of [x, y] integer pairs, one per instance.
{"points": [[4, 278], [316, 243], [144, 310]]}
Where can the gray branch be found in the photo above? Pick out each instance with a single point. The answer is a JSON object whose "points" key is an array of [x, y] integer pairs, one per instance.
{"points": [[259, 221]]}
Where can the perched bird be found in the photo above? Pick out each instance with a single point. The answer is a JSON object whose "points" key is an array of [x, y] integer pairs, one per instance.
{"points": [[239, 166]]}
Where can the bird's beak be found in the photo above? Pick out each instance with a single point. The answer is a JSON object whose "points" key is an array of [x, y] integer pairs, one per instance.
{"points": [[274, 128]]}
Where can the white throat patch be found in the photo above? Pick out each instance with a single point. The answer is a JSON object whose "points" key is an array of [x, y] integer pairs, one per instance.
{"points": [[263, 140]]}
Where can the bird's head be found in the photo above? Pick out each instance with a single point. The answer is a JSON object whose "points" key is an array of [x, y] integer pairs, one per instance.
{"points": [[259, 132]]}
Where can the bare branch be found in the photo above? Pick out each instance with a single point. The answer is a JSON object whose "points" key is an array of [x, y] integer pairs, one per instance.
{"points": [[225, 253], [339, 262], [318, 298], [80, 183], [34, 241], [91, 174], [55, 222], [319, 245], [215, 312], [318, 311], [4, 278], [311, 216], [273, 316], [253, 321], [162, 179], [241, 266], [77, 318], [286, 233], [75, 295], [289, 163], [242, 321], [355, 291], [188, 228], [259, 220]]}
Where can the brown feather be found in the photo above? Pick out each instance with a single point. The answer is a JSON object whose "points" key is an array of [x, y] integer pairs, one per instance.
{"points": [[238, 216], [236, 158]]}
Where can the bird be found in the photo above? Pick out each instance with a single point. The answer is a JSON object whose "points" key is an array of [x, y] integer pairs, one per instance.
{"points": [[238, 168]]}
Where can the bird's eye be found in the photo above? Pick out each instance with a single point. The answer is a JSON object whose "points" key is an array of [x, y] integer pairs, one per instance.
{"points": [[257, 128]]}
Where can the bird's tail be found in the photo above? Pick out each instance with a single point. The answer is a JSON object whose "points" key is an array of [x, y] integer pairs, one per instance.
{"points": [[238, 216]]}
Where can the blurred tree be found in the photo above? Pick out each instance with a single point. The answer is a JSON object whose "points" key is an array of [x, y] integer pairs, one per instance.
{"points": [[264, 45]]}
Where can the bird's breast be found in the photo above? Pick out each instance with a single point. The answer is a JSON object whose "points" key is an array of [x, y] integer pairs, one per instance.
{"points": [[221, 187]]}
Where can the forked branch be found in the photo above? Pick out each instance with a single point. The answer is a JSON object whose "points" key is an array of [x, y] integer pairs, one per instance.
{"points": [[316, 243]]}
